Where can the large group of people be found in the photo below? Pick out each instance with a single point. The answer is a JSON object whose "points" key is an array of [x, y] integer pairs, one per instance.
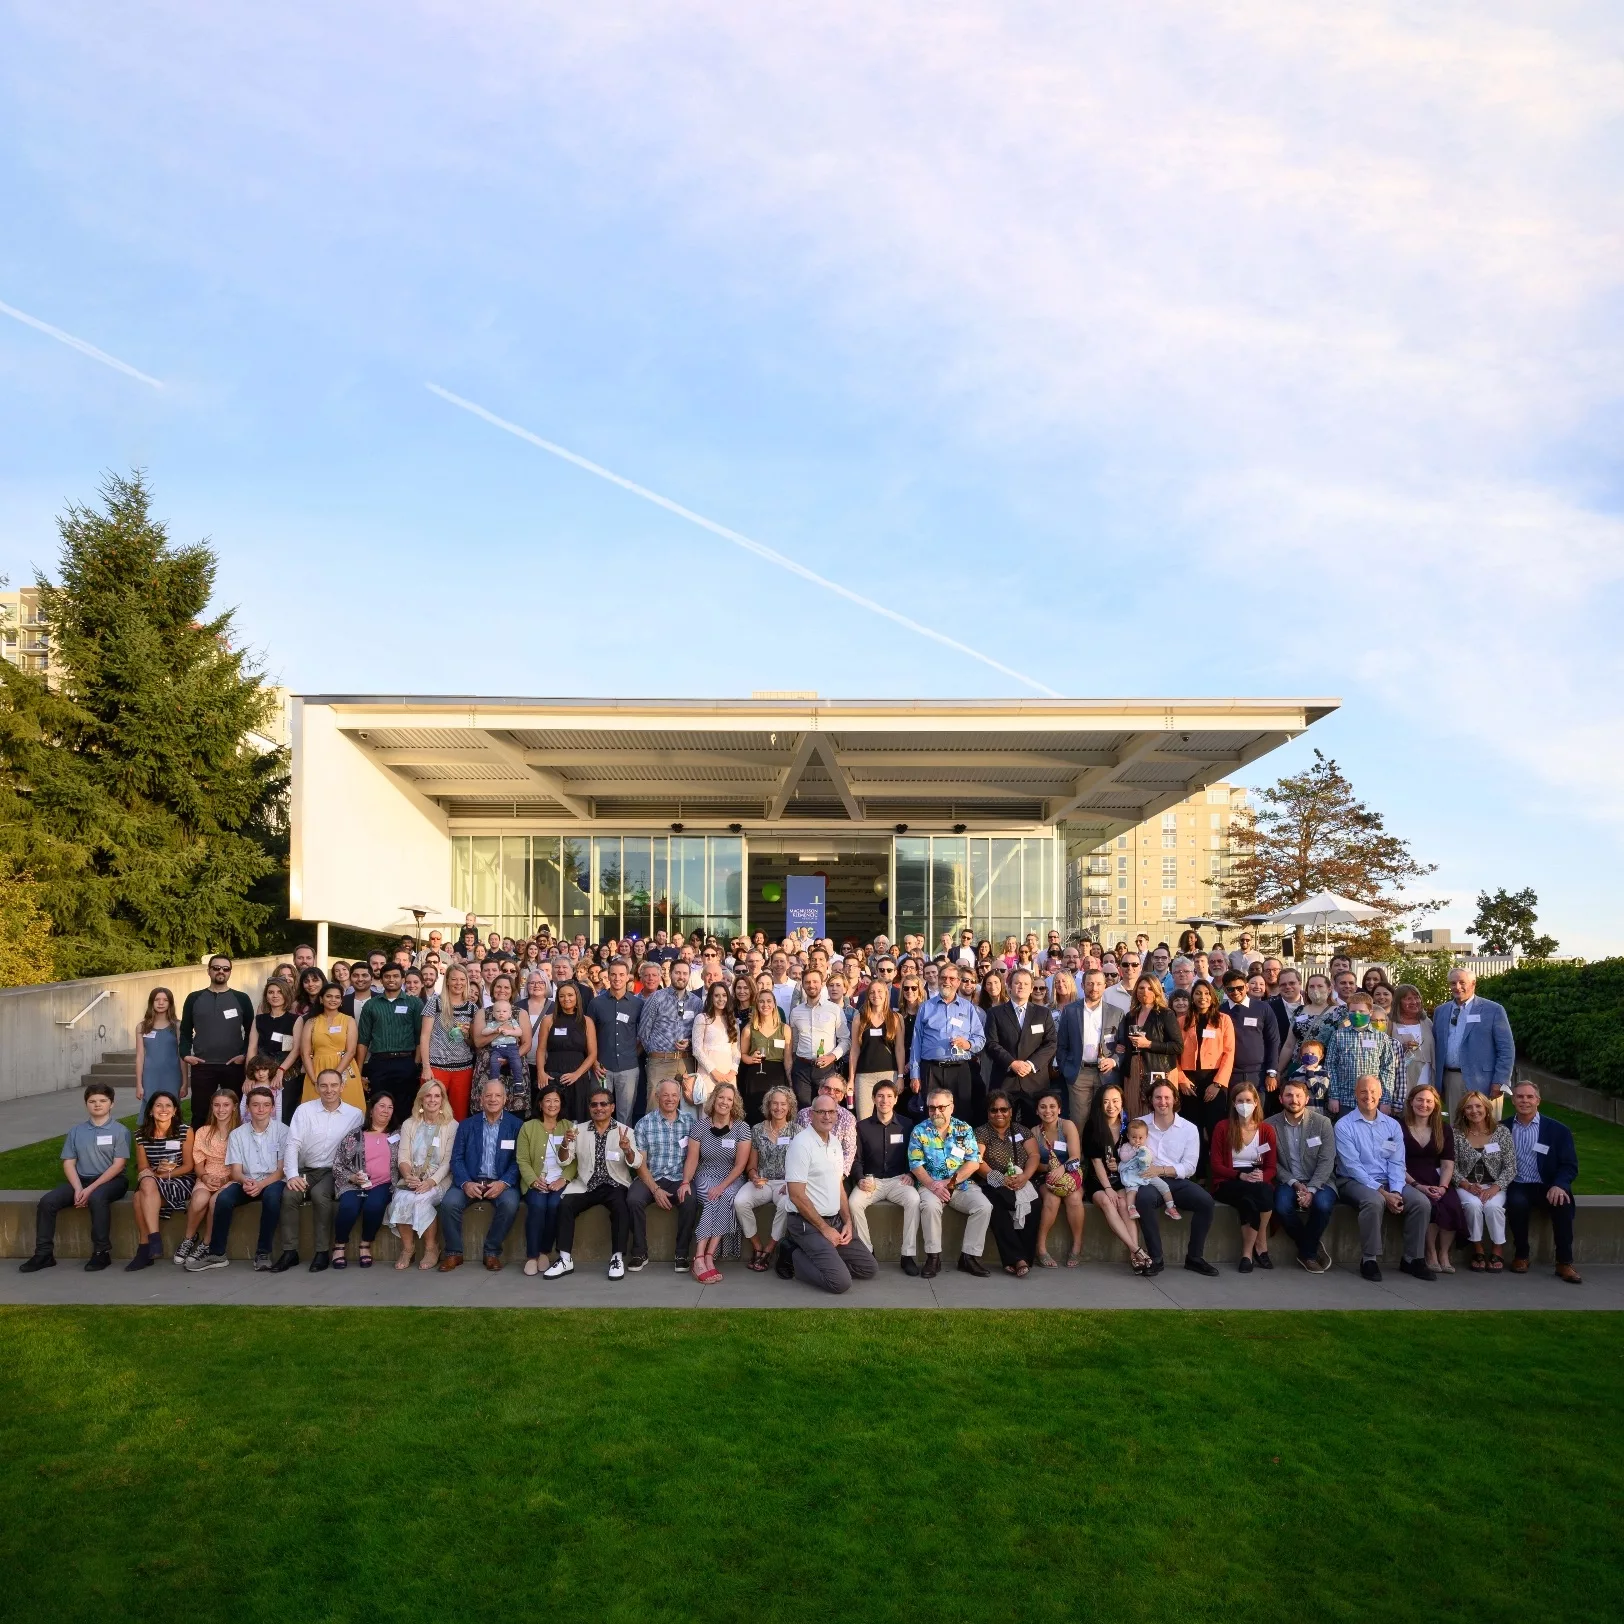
{"points": [[772, 1094]]}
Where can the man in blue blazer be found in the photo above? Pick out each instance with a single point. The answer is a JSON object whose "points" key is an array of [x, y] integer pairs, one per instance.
{"points": [[484, 1167], [1547, 1165], [1473, 1040]]}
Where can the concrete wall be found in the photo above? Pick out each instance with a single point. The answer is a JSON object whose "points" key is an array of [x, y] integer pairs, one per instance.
{"points": [[38, 1055], [363, 842]]}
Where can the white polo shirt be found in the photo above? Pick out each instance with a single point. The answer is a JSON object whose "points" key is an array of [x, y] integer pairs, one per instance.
{"points": [[820, 1165]]}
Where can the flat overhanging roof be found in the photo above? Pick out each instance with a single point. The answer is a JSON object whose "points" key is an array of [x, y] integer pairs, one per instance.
{"points": [[1092, 765]]}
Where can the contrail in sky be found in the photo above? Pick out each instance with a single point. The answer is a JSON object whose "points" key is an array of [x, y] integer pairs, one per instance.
{"points": [[739, 540], [76, 344]]}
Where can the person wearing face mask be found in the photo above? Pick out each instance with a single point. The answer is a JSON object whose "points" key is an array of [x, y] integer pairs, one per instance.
{"points": [[1244, 1153], [1357, 1049]]}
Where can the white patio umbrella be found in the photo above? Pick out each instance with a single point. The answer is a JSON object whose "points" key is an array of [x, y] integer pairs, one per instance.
{"points": [[1320, 912]]}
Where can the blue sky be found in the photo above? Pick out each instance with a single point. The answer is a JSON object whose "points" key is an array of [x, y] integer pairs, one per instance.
{"points": [[1168, 350]]}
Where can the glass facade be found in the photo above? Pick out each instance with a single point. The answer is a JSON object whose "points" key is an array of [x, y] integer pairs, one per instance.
{"points": [[601, 886], [611, 885]]}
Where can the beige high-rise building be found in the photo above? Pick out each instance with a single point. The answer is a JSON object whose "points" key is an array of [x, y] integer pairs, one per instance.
{"points": [[25, 639], [1157, 872]]}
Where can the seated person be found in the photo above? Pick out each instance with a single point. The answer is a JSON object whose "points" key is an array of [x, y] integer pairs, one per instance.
{"points": [[1059, 1174], [541, 1175], [95, 1155], [484, 1167], [1370, 1177], [662, 1138], [1243, 1165], [943, 1157], [1133, 1167], [764, 1183], [254, 1156], [1547, 1165], [209, 1146], [314, 1135], [599, 1159], [1485, 1164], [1305, 1169], [364, 1173], [882, 1173], [1174, 1144], [164, 1177]]}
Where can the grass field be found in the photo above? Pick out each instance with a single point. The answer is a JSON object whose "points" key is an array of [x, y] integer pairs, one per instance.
{"points": [[1600, 1145], [316, 1465]]}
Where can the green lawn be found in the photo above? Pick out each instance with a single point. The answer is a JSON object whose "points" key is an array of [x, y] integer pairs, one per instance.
{"points": [[809, 1466]]}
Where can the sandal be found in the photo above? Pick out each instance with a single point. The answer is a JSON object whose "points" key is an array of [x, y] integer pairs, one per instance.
{"points": [[1141, 1260], [339, 1261], [1021, 1269], [363, 1256], [760, 1262], [431, 1259], [404, 1261], [1497, 1265], [1046, 1261], [1479, 1262], [1073, 1259]]}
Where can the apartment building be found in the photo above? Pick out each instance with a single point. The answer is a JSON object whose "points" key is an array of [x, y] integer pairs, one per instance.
{"points": [[25, 639]]}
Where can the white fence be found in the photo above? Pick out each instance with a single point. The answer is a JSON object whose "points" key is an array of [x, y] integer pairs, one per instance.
{"points": [[1481, 965], [50, 1036]]}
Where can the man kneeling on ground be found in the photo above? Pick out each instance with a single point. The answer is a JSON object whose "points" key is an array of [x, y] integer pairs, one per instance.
{"points": [[825, 1251]]}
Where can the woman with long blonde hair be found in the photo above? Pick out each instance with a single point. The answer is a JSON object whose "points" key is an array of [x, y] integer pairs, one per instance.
{"points": [[718, 1150]]}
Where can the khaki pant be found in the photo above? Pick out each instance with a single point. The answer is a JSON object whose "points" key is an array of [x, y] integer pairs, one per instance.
{"points": [[967, 1199], [1455, 1090], [320, 1196], [1081, 1092], [664, 1069], [900, 1192], [749, 1198]]}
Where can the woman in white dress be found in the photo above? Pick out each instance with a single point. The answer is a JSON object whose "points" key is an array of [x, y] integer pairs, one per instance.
{"points": [[716, 1046], [424, 1175]]}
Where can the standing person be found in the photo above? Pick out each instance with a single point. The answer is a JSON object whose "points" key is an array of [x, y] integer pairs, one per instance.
{"points": [[1313, 1019], [271, 1034], [1547, 1165], [716, 1047], [944, 1157], [948, 1035], [663, 1136], [254, 1169], [541, 1175], [876, 1055], [826, 1252], [327, 1043], [1429, 1166], [314, 1135], [1206, 1065], [1305, 1174], [164, 1176], [819, 1037], [1473, 1043], [910, 1000], [770, 1140], [599, 1160], [568, 1048], [213, 1037], [1102, 1178], [423, 1173], [157, 1048], [95, 1155], [1485, 1164], [763, 1052], [1174, 1148], [718, 1151], [1148, 1045], [1009, 1157], [665, 1028], [445, 1043], [364, 1173], [1370, 1178], [1244, 1151], [1060, 1174], [209, 1146], [388, 1039], [1257, 1039], [1085, 1038], [881, 1170], [484, 1167], [615, 1013], [1412, 1036], [1357, 1049], [1022, 1042]]}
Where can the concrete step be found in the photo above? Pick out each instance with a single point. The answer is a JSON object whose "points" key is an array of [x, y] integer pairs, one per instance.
{"points": [[1598, 1235]]}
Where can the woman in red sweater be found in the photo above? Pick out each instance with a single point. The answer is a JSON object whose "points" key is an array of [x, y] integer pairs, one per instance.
{"points": [[1243, 1153]]}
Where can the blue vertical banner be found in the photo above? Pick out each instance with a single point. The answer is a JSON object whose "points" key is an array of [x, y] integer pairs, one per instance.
{"points": [[803, 903]]}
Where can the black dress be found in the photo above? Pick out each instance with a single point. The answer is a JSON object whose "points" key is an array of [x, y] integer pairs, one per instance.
{"points": [[566, 1049], [1095, 1147]]}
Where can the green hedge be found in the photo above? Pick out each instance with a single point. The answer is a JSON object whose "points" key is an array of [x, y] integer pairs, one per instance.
{"points": [[1567, 1018]]}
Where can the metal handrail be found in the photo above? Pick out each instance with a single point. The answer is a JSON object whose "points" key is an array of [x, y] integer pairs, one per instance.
{"points": [[106, 992]]}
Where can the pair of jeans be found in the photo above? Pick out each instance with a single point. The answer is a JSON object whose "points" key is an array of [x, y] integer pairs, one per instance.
{"points": [[456, 1201], [540, 1219], [1190, 1199], [100, 1207], [225, 1208], [1305, 1225], [367, 1205]]}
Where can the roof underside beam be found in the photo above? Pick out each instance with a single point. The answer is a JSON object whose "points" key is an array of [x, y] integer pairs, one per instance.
{"points": [[1135, 748]]}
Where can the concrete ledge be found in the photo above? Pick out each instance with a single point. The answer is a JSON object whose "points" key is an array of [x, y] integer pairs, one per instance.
{"points": [[1598, 1236]]}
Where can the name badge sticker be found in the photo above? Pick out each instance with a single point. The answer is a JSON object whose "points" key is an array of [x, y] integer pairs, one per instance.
{"points": [[624, 1019], [400, 1009], [1035, 1027], [506, 1144], [730, 1144], [786, 1139], [895, 1139], [1249, 1020], [104, 1139], [235, 1014], [1472, 1020], [1541, 1150], [283, 1040], [1314, 1141]]}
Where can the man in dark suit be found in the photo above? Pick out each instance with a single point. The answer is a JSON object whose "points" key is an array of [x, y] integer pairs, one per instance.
{"points": [[1547, 1165], [1021, 1043]]}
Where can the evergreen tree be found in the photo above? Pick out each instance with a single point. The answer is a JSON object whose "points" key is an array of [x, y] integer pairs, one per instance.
{"points": [[133, 796]]}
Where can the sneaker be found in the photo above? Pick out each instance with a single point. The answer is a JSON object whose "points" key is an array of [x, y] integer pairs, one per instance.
{"points": [[617, 1267], [262, 1263], [1370, 1269], [187, 1249], [682, 1265], [636, 1263], [1324, 1259], [1173, 1212], [98, 1262], [199, 1261], [1308, 1263], [40, 1260], [909, 1267], [564, 1265]]}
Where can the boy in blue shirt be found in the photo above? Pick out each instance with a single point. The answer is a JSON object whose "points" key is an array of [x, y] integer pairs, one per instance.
{"points": [[94, 1156]]}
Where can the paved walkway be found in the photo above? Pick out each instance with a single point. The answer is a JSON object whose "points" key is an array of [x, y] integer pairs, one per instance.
{"points": [[26, 1122], [1093, 1286]]}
